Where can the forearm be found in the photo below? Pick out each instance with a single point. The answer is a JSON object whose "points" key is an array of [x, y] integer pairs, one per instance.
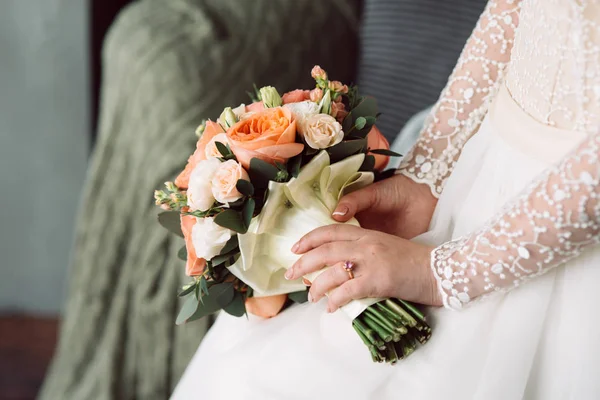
{"points": [[465, 100], [554, 220]]}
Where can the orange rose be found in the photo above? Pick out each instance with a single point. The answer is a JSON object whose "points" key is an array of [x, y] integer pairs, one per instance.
{"points": [[266, 307], [296, 96], [194, 265], [212, 129], [269, 135], [376, 141]]}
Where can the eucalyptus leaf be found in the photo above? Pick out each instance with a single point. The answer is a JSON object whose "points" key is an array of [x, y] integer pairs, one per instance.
{"points": [[231, 245], [248, 212], [294, 165], [171, 220], [231, 219], [346, 149], [299, 297], [237, 306], [222, 149], [203, 286], [366, 108], [187, 289], [222, 258], [223, 293], [189, 308], [385, 152], [347, 123], [245, 187], [368, 164], [182, 253], [360, 123], [261, 172]]}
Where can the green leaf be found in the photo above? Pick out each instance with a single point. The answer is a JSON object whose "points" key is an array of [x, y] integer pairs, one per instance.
{"points": [[360, 123], [368, 165], [245, 187], [224, 150], [203, 286], [231, 219], [223, 293], [237, 306], [294, 165], [182, 253], [366, 108], [222, 258], [248, 212], [347, 123], [371, 120], [187, 289], [299, 297], [171, 221], [189, 308], [261, 172], [231, 245], [346, 148], [385, 152]]}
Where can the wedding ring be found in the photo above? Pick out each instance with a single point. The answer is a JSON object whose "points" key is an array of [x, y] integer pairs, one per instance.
{"points": [[349, 266]]}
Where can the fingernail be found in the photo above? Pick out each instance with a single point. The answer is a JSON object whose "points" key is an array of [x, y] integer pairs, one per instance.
{"points": [[289, 274], [295, 248], [310, 298], [341, 211]]}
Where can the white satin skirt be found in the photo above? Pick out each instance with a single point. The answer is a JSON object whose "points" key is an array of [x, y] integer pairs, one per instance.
{"points": [[539, 341]]}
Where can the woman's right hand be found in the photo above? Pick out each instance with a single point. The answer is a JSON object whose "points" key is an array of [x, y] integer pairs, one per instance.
{"points": [[397, 205]]}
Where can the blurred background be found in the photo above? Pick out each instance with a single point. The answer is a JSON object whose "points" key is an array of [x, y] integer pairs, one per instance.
{"points": [[99, 100]]}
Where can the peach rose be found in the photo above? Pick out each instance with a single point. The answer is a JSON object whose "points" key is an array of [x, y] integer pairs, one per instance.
{"points": [[295, 96], [269, 135], [211, 150], [225, 179], [376, 141], [194, 265], [257, 106], [212, 129], [316, 95], [318, 73], [266, 307]]}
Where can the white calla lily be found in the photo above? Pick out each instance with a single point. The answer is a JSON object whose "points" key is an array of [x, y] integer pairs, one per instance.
{"points": [[292, 210]]}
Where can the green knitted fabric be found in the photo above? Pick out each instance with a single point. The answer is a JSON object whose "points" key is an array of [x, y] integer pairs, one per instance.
{"points": [[168, 65]]}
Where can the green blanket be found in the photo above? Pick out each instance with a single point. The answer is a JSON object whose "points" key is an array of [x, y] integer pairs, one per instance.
{"points": [[168, 65]]}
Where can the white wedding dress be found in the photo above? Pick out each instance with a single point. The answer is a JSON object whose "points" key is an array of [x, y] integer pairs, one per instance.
{"points": [[512, 151]]}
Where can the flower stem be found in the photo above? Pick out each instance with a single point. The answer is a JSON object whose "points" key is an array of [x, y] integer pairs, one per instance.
{"points": [[381, 331], [381, 319], [414, 310], [369, 334], [400, 311]]}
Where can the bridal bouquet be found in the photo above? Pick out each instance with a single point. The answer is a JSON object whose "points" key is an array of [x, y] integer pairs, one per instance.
{"points": [[262, 176]]}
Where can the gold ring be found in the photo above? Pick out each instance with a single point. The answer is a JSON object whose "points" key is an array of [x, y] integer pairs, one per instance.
{"points": [[349, 266]]}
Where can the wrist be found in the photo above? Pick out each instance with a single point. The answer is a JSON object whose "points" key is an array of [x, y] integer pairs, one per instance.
{"points": [[433, 290]]}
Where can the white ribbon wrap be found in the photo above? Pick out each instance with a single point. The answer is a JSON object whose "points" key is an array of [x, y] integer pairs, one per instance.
{"points": [[292, 210]]}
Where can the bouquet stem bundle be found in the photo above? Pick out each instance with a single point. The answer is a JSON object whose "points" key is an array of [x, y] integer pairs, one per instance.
{"points": [[391, 329]]}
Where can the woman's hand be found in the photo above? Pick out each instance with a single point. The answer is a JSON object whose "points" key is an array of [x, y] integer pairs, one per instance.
{"points": [[397, 205], [385, 266]]}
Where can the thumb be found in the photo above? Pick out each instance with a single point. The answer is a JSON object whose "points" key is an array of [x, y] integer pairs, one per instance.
{"points": [[353, 203]]}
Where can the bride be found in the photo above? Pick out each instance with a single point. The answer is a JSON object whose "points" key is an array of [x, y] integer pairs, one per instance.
{"points": [[500, 196]]}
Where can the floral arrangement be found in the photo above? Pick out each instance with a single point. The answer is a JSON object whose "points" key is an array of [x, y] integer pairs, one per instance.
{"points": [[262, 176]]}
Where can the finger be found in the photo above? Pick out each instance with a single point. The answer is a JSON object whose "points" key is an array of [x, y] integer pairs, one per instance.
{"points": [[355, 202], [306, 282], [327, 234], [328, 280], [327, 254], [353, 289]]}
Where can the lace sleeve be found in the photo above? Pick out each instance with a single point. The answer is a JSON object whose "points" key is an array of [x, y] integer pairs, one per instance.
{"points": [[464, 102], [551, 222]]}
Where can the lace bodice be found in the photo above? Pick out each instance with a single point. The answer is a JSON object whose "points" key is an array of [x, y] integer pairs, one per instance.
{"points": [[553, 74]]}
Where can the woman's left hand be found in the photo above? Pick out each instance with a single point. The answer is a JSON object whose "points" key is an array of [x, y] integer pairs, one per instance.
{"points": [[384, 266]]}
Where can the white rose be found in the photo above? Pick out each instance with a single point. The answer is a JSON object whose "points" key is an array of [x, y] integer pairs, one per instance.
{"points": [[199, 193], [301, 111], [211, 150], [224, 182], [209, 238], [322, 131]]}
